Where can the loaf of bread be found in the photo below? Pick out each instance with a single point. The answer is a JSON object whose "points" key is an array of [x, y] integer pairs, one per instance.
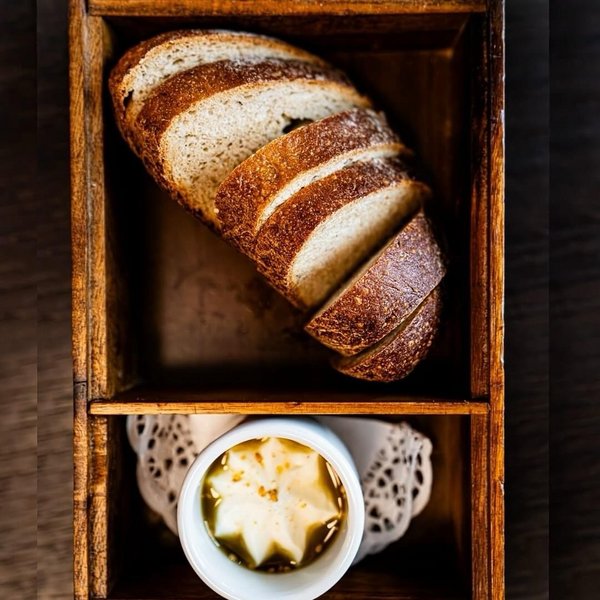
{"points": [[268, 178], [253, 103], [278, 152], [397, 354], [145, 66], [382, 294], [324, 231]]}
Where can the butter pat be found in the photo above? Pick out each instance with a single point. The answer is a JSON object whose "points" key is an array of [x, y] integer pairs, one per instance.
{"points": [[272, 502]]}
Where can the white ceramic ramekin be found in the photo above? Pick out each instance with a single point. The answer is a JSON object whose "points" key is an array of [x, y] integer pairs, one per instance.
{"points": [[235, 582]]}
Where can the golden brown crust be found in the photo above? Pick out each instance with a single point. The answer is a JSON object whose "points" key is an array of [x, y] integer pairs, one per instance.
{"points": [[276, 164], [135, 55], [128, 61], [399, 353], [290, 227], [185, 89], [392, 286]]}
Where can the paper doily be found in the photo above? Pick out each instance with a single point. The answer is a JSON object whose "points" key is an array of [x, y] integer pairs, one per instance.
{"points": [[393, 462], [166, 446]]}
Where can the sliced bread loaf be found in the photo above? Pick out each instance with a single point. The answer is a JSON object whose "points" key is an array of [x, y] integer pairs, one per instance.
{"points": [[318, 237], [400, 351], [381, 295], [264, 181], [200, 124], [145, 66]]}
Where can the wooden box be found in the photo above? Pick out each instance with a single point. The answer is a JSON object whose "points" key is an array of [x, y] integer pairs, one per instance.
{"points": [[167, 318]]}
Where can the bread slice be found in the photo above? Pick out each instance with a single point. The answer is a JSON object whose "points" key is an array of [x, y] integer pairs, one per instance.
{"points": [[268, 178], [314, 241], [200, 124], [145, 66], [401, 350], [381, 295]]}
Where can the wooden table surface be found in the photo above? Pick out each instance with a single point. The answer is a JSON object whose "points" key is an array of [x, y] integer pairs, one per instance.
{"points": [[47, 218]]}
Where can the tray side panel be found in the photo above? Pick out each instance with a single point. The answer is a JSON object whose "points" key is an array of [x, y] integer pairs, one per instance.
{"points": [[479, 238], [97, 352], [80, 494], [87, 197], [100, 345], [178, 8], [78, 160], [80, 164], [497, 156]]}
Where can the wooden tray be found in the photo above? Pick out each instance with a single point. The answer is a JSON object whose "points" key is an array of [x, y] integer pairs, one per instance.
{"points": [[167, 318]]}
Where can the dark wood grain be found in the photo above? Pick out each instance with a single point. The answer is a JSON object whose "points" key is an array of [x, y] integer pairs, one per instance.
{"points": [[18, 314], [527, 301], [55, 387], [575, 295]]}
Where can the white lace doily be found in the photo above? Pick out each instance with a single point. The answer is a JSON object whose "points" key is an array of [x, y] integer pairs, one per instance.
{"points": [[166, 446], [394, 464], [393, 461]]}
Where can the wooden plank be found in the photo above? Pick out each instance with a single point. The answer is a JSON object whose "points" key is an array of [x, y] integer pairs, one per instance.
{"points": [[184, 8], [496, 286], [87, 199], [480, 507], [479, 219], [95, 190], [79, 165], [102, 407], [88, 298], [78, 190], [252, 402], [80, 493], [98, 507]]}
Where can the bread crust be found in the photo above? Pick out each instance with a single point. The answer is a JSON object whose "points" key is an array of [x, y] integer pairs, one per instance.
{"points": [[191, 87], [291, 226], [408, 268], [119, 75], [276, 164], [400, 353]]}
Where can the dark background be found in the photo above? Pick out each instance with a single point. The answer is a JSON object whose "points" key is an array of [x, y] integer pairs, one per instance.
{"points": [[34, 229]]}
